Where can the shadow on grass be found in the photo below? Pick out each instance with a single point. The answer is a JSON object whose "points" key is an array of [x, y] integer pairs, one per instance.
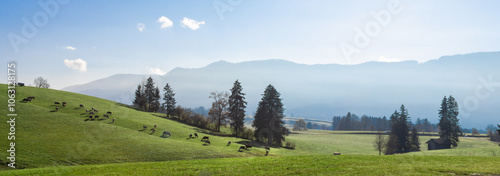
{"points": [[210, 132], [129, 106]]}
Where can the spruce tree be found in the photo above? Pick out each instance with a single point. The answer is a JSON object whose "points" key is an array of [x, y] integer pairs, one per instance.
{"points": [[415, 141], [140, 97], [237, 105], [155, 104], [168, 97], [151, 96], [268, 121], [448, 120], [399, 138], [498, 130], [404, 131]]}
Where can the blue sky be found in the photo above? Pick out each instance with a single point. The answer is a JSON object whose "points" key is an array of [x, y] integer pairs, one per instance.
{"points": [[105, 35]]}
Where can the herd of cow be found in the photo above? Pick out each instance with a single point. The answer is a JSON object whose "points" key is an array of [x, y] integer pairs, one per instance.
{"points": [[92, 115], [91, 112]]}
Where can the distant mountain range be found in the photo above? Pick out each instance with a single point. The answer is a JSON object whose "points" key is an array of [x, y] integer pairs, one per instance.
{"points": [[324, 91]]}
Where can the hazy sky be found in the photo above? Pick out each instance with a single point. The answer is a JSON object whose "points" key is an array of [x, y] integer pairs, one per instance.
{"points": [[74, 42]]}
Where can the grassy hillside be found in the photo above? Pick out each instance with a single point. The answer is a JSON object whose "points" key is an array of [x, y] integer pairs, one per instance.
{"points": [[57, 139], [290, 165], [45, 137], [319, 142]]}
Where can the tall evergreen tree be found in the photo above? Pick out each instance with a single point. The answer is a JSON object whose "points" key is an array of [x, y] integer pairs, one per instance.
{"points": [[155, 104], [140, 97], [415, 141], [168, 97], [237, 105], [448, 120], [399, 138], [498, 129], [404, 130], [268, 121], [151, 96]]}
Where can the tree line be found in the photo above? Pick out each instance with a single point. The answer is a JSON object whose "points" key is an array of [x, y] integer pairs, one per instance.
{"points": [[403, 136], [227, 108], [352, 122]]}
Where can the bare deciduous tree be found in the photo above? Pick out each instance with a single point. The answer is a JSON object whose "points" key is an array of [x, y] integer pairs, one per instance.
{"points": [[219, 110], [41, 83], [379, 143], [300, 125]]}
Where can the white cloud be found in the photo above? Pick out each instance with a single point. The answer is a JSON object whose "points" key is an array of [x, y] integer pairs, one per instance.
{"points": [[77, 64], [157, 71], [192, 24], [165, 22], [141, 27], [385, 59], [69, 48]]}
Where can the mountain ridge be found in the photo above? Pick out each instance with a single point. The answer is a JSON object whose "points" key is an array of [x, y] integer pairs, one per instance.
{"points": [[372, 88]]}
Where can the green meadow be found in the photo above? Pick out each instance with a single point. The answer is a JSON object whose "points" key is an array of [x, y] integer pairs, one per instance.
{"points": [[66, 142]]}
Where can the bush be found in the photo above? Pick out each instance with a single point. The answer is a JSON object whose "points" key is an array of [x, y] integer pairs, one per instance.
{"points": [[290, 145], [247, 134]]}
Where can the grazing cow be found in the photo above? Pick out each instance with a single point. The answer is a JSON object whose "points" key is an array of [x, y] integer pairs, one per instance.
{"points": [[109, 112], [190, 136], [208, 142], [91, 112], [242, 148], [195, 135], [57, 103], [92, 108], [248, 146], [167, 133], [267, 148], [86, 111], [144, 127], [57, 108], [153, 130], [267, 152], [81, 106], [205, 138], [95, 110], [64, 103], [228, 143], [31, 98], [336, 153], [113, 120], [96, 116], [105, 116], [26, 100], [90, 117], [155, 126]]}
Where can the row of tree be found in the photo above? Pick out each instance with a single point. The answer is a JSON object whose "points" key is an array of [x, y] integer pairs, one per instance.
{"points": [[147, 98], [268, 121], [226, 108], [402, 140], [367, 123]]}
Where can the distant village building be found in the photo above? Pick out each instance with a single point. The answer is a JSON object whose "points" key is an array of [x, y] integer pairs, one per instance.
{"points": [[436, 144]]}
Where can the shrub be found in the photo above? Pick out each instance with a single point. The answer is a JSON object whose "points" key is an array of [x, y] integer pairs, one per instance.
{"points": [[246, 134], [290, 145]]}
